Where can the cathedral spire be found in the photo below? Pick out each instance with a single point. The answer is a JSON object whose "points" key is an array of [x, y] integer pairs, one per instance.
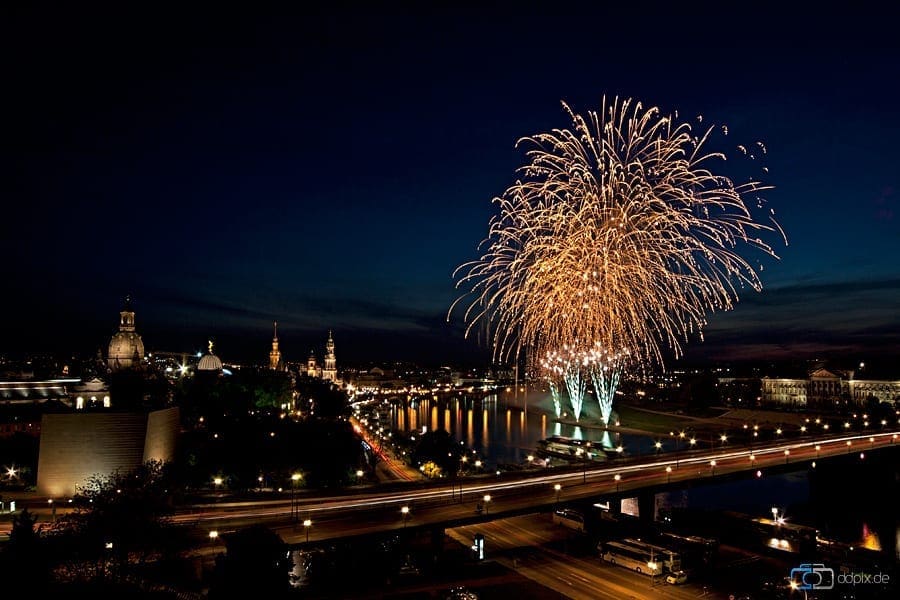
{"points": [[275, 354], [329, 371]]}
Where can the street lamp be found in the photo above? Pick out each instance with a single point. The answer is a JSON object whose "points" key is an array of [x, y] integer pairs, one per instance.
{"points": [[307, 523], [405, 512], [787, 453], [669, 474], [487, 498], [849, 443], [712, 466], [818, 447], [658, 446], [294, 479], [618, 478], [558, 488]]}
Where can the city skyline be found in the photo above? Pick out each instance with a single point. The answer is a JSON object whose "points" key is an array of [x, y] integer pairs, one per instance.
{"points": [[329, 170]]}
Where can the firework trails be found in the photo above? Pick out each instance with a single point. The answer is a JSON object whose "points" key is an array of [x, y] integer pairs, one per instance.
{"points": [[611, 248]]}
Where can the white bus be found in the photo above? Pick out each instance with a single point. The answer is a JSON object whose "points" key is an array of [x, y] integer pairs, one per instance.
{"points": [[630, 557], [669, 559], [570, 518]]}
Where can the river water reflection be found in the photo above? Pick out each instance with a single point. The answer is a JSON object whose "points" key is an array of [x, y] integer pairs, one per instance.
{"points": [[502, 430]]}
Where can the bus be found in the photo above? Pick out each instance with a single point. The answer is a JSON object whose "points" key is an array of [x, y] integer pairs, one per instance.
{"points": [[696, 551], [631, 557], [570, 518], [670, 560]]}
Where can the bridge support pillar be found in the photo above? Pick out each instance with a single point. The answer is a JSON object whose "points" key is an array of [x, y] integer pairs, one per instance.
{"points": [[438, 537], [647, 506]]}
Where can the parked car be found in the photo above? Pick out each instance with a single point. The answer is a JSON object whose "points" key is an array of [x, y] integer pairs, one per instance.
{"points": [[676, 577]]}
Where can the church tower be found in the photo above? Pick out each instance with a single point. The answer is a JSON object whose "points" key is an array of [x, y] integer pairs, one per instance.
{"points": [[329, 372], [311, 369], [275, 354]]}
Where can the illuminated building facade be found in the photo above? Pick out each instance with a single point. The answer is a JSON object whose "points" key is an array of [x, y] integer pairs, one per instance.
{"points": [[76, 446], [328, 371], [825, 388]]}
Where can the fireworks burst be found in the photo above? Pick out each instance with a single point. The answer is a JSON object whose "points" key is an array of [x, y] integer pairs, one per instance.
{"points": [[613, 246]]}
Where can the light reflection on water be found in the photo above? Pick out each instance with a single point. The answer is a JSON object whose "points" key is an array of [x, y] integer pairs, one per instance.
{"points": [[502, 431]]}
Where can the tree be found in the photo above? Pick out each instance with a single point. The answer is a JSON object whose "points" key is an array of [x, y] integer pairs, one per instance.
{"points": [[255, 564], [121, 523], [440, 448], [24, 557]]}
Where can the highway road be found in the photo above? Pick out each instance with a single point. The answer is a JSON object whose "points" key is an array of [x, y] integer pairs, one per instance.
{"points": [[531, 544]]}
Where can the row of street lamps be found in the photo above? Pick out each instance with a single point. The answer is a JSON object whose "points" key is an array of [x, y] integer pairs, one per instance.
{"points": [[483, 505]]}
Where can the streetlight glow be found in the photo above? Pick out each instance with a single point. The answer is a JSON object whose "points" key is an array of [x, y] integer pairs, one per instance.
{"points": [[307, 523]]}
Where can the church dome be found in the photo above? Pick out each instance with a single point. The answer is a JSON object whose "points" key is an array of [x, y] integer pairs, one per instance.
{"points": [[126, 349], [209, 362]]}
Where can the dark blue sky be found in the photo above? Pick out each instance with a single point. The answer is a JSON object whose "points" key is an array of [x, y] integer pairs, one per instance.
{"points": [[330, 169]]}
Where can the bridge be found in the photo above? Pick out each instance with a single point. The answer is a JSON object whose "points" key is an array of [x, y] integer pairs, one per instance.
{"points": [[312, 521]]}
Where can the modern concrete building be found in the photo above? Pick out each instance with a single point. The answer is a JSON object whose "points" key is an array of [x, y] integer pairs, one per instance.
{"points": [[76, 446]]}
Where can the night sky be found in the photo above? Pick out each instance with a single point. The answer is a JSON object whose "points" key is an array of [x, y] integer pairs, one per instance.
{"points": [[330, 169]]}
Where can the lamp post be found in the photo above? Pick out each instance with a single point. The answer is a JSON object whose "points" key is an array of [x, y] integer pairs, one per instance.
{"points": [[712, 467], [787, 454], [405, 512], [487, 499], [618, 478], [307, 523], [558, 488], [669, 474], [294, 479], [580, 452]]}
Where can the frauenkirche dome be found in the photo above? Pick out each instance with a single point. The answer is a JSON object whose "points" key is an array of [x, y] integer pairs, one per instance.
{"points": [[126, 349]]}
